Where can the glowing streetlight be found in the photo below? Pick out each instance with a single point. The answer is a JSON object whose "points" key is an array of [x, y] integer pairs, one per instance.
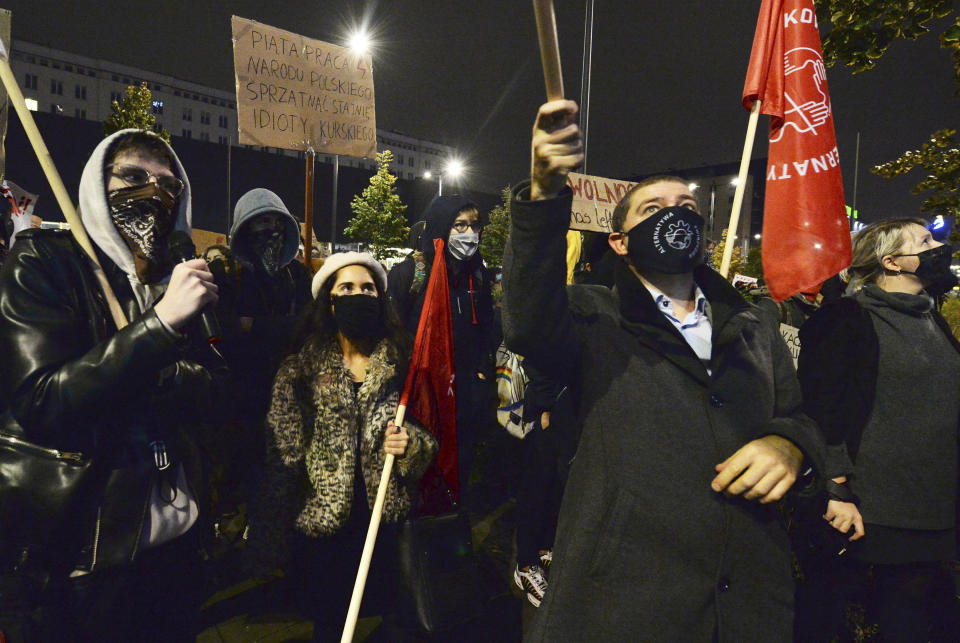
{"points": [[454, 168], [693, 187], [359, 42], [427, 175]]}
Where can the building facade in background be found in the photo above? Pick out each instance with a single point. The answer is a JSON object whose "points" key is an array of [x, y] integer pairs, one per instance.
{"points": [[67, 84]]}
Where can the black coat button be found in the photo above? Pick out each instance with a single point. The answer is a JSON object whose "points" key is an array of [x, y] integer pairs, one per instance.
{"points": [[715, 401], [723, 584]]}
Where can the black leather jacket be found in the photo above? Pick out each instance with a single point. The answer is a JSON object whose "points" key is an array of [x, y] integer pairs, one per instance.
{"points": [[71, 381]]}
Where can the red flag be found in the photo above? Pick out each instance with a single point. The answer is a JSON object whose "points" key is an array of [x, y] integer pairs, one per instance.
{"points": [[806, 236], [430, 391]]}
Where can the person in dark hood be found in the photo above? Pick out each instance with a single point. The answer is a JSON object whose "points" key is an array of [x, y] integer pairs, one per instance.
{"points": [[264, 238], [271, 289], [119, 562], [455, 220], [266, 288]]}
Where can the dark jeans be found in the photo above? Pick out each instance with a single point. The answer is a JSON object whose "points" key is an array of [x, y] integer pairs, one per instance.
{"points": [[908, 602], [538, 495], [320, 581], [157, 598]]}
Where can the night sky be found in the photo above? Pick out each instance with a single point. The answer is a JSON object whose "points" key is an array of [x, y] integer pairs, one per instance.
{"points": [[666, 77]]}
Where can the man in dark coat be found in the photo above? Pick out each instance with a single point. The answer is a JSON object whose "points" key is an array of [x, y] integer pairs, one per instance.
{"points": [[456, 221], [690, 412], [123, 566]]}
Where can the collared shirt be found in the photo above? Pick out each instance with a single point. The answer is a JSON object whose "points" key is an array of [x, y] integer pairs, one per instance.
{"points": [[695, 327]]}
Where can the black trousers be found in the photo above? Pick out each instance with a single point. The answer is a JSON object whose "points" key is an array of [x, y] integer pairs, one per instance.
{"points": [[538, 495], [157, 598], [907, 602]]}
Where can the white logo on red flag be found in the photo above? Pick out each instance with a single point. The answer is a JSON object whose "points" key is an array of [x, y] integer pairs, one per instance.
{"points": [[807, 105]]}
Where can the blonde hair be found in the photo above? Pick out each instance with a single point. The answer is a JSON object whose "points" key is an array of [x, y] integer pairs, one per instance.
{"points": [[871, 245]]}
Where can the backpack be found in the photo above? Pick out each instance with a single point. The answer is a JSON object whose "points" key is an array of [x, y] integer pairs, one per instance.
{"points": [[511, 383]]}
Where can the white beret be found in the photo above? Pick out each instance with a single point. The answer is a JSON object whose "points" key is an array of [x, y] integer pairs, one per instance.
{"points": [[335, 262]]}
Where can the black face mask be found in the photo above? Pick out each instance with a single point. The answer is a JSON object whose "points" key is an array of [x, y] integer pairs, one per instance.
{"points": [[266, 246], [358, 317], [144, 216], [934, 269], [670, 241]]}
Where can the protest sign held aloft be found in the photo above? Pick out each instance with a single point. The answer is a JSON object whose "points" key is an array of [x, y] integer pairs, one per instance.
{"points": [[296, 93], [594, 199]]}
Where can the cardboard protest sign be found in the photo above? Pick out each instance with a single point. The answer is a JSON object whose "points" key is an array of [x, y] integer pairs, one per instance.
{"points": [[23, 204], [744, 279], [203, 239], [296, 93], [594, 199], [791, 335]]}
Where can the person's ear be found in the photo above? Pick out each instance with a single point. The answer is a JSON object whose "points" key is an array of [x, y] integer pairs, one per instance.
{"points": [[890, 263], [618, 241]]}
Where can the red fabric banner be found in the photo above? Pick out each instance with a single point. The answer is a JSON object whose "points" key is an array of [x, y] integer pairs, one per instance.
{"points": [[806, 235], [430, 390]]}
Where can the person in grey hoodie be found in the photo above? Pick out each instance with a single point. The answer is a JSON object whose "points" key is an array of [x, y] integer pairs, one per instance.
{"points": [[119, 567], [271, 289]]}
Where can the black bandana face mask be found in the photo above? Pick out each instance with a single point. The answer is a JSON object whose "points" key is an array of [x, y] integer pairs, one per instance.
{"points": [[144, 216], [934, 269], [266, 247], [669, 241], [358, 317]]}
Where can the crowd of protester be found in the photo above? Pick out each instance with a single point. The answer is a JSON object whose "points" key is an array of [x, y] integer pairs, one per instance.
{"points": [[677, 480]]}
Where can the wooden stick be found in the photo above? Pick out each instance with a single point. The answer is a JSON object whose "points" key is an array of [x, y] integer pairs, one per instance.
{"points": [[308, 211], [354, 611], [549, 49], [741, 186], [56, 183]]}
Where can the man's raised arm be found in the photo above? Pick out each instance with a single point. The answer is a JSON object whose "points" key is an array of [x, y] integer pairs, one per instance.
{"points": [[536, 318]]}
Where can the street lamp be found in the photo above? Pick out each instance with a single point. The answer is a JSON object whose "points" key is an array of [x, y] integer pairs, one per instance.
{"points": [[453, 170]]}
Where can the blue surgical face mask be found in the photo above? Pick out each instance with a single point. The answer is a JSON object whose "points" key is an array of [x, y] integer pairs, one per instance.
{"points": [[463, 245]]}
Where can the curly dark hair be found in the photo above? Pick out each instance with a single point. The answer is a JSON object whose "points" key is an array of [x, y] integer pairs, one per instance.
{"points": [[316, 326]]}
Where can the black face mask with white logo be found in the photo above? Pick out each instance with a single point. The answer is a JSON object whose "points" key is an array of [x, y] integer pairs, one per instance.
{"points": [[358, 317], [669, 241], [934, 269]]}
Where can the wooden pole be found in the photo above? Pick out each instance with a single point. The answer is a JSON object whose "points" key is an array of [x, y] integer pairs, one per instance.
{"points": [[354, 611], [308, 211], [56, 183], [741, 186], [549, 49], [333, 198]]}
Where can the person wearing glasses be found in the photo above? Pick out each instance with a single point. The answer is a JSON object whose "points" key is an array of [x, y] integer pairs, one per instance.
{"points": [[122, 563], [455, 220]]}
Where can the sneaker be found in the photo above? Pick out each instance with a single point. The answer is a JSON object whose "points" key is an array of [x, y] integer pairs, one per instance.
{"points": [[532, 582], [546, 559]]}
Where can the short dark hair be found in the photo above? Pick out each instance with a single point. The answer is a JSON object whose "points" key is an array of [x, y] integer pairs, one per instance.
{"points": [[144, 143], [619, 215]]}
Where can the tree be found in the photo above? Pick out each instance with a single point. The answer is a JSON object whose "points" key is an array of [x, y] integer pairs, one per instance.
{"points": [[378, 215], [754, 264], [860, 34], [496, 232], [940, 159], [136, 110], [736, 259]]}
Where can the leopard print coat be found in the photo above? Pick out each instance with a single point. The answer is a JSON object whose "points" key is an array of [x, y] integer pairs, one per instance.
{"points": [[312, 445]]}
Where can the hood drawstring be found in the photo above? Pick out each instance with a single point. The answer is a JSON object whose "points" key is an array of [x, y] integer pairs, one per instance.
{"points": [[473, 305]]}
